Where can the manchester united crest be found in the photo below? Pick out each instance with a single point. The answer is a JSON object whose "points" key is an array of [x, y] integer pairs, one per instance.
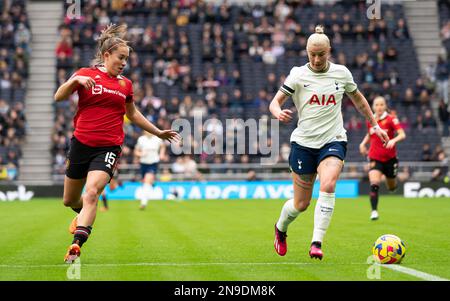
{"points": [[122, 83]]}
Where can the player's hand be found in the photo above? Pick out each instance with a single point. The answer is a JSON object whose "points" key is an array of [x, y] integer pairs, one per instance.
{"points": [[382, 135], [285, 116], [170, 135], [363, 149], [390, 144], [85, 81]]}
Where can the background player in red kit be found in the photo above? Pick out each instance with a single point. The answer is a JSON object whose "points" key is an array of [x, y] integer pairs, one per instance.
{"points": [[104, 98], [383, 159]]}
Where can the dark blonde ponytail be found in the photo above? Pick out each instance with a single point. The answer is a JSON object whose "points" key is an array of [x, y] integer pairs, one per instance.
{"points": [[110, 38]]}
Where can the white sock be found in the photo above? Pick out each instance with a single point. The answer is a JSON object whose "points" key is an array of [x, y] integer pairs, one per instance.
{"points": [[145, 194], [287, 216], [322, 214]]}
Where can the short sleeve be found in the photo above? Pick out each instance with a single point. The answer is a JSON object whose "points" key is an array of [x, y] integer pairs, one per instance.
{"points": [[350, 85], [289, 84], [396, 123], [76, 73], [130, 94]]}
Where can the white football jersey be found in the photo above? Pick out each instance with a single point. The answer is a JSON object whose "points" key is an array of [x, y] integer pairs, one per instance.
{"points": [[149, 145], [318, 98]]}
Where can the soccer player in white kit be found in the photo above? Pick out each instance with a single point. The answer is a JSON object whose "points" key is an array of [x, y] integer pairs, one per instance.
{"points": [[149, 149], [319, 143]]}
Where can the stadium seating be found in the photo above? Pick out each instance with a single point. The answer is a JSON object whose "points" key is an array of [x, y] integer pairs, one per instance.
{"points": [[444, 18], [208, 41], [15, 37]]}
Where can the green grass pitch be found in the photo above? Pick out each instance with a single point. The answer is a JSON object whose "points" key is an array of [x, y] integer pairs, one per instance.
{"points": [[219, 240]]}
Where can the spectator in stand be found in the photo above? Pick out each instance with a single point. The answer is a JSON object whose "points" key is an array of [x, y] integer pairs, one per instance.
{"points": [[444, 116], [442, 74], [445, 31], [428, 120], [401, 31], [437, 150], [408, 98], [440, 173], [426, 152]]}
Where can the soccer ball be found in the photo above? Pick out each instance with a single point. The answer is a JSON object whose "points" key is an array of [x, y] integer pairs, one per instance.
{"points": [[389, 249]]}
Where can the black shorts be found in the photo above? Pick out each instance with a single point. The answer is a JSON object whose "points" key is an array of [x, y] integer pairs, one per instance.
{"points": [[83, 158], [388, 168]]}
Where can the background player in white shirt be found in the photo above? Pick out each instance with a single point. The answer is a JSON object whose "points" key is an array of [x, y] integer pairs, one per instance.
{"points": [[318, 144], [149, 149]]}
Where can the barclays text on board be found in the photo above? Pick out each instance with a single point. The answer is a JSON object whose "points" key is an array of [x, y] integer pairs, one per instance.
{"points": [[223, 190]]}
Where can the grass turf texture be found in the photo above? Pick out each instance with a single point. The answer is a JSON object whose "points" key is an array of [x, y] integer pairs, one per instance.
{"points": [[219, 240]]}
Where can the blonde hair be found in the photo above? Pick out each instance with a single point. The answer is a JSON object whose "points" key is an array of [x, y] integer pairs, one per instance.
{"points": [[110, 38], [318, 38]]}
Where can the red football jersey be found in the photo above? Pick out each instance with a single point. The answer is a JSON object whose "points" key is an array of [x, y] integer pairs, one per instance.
{"points": [[100, 115], [377, 151]]}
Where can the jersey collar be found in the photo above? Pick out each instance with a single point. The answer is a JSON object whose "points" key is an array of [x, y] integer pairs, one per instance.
{"points": [[323, 71], [383, 116], [103, 69]]}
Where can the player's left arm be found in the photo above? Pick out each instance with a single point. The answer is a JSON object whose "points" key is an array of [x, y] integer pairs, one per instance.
{"points": [[362, 105], [138, 119]]}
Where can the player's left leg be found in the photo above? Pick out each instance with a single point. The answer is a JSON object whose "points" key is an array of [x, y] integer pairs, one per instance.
{"points": [[391, 184], [329, 170], [104, 199], [391, 171], [374, 179]]}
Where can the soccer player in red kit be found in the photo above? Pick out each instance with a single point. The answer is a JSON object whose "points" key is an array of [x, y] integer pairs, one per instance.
{"points": [[383, 159], [105, 96]]}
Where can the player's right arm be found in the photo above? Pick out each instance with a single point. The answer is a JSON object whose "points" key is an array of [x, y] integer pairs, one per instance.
{"points": [[362, 146], [275, 107], [66, 89]]}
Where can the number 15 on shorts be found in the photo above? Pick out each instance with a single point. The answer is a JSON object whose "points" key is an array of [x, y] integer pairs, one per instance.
{"points": [[110, 158]]}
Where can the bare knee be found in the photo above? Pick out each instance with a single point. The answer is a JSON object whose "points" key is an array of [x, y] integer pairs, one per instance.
{"points": [[302, 205], [328, 186], [69, 201], [91, 196]]}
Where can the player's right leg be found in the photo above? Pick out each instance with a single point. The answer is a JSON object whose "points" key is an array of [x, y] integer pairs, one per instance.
{"points": [[374, 179], [148, 181], [303, 186], [72, 197], [302, 163]]}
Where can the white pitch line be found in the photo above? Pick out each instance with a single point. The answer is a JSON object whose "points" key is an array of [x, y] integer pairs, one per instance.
{"points": [[413, 272], [398, 268], [169, 264]]}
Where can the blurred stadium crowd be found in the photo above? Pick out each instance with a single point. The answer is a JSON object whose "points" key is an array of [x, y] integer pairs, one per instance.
{"points": [[191, 58], [15, 37]]}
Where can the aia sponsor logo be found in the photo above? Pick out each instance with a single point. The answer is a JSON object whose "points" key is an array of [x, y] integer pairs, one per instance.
{"points": [[323, 100]]}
